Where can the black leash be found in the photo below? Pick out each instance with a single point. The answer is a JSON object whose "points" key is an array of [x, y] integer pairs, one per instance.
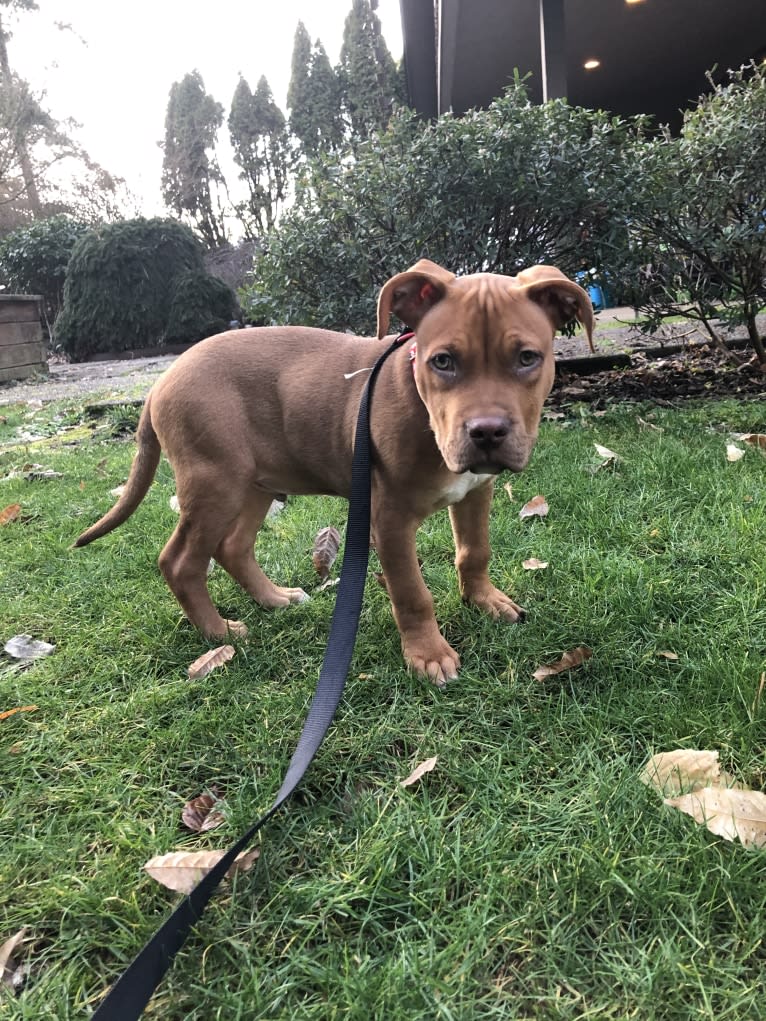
{"points": [[133, 989]]}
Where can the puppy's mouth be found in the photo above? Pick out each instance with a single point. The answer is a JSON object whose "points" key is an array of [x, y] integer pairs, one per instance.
{"points": [[486, 468]]}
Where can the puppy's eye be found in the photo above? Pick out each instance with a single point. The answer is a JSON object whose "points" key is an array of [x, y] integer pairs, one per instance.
{"points": [[443, 362], [528, 358]]}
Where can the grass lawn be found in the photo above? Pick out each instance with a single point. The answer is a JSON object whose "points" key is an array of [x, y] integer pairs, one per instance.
{"points": [[530, 875]]}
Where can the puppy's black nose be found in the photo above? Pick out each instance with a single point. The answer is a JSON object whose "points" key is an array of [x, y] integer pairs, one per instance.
{"points": [[488, 432]]}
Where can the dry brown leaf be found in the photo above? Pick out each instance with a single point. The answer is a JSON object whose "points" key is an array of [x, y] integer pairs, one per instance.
{"points": [[208, 661], [731, 814], [12, 975], [9, 513], [533, 564], [609, 455], [509, 489], [668, 655], [326, 545], [685, 769], [198, 813], [733, 452], [418, 771], [754, 439], [536, 507], [19, 709], [575, 657], [182, 870]]}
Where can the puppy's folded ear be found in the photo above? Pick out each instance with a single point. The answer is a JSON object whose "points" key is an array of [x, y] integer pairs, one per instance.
{"points": [[560, 298], [411, 294]]}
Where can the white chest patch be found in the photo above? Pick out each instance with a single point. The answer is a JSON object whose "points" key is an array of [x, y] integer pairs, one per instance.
{"points": [[462, 486]]}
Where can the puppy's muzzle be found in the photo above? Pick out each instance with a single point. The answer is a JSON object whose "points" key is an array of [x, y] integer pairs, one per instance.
{"points": [[489, 433]]}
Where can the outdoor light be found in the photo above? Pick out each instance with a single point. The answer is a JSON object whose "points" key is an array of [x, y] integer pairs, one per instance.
{"points": [[590, 65]]}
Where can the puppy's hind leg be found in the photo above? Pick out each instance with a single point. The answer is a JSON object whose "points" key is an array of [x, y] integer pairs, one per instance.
{"points": [[235, 553], [184, 562]]}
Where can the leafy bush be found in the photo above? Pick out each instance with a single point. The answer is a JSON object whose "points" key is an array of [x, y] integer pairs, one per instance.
{"points": [[494, 190], [120, 292], [697, 211], [33, 259], [201, 305]]}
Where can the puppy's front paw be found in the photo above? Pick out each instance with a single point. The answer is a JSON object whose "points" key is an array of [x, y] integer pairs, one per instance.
{"points": [[436, 660], [497, 604]]}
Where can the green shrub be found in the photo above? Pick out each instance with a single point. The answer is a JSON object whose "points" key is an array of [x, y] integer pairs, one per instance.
{"points": [[697, 209], [33, 259], [494, 190], [121, 289], [201, 305]]}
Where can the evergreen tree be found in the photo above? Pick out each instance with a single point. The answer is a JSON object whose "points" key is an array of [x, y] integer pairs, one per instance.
{"points": [[315, 98], [369, 73], [259, 139], [326, 101], [299, 92], [190, 176]]}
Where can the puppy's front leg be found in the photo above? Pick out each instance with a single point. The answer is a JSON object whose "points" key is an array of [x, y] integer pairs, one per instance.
{"points": [[424, 648], [470, 527]]}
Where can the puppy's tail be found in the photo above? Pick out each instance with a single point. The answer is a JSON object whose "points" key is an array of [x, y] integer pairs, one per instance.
{"points": [[141, 476]]}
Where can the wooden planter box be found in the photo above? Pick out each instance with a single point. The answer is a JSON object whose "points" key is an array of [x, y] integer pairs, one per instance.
{"points": [[22, 348]]}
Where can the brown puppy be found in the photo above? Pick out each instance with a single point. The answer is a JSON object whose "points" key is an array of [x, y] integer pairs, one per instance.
{"points": [[252, 413]]}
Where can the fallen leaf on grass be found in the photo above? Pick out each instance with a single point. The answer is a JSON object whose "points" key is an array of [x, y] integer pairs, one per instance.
{"points": [[118, 490], [609, 455], [18, 709], [9, 513], [684, 769], [536, 507], [668, 655], [198, 813], [208, 661], [418, 771], [731, 814], [733, 452], [326, 545], [26, 647], [182, 870], [570, 660], [533, 564], [175, 506], [754, 439], [509, 489], [12, 974]]}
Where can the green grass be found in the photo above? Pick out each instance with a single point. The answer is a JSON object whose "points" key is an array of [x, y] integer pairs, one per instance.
{"points": [[529, 876]]}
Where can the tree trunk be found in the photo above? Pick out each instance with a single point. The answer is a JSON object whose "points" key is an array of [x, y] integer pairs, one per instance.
{"points": [[756, 340], [22, 152]]}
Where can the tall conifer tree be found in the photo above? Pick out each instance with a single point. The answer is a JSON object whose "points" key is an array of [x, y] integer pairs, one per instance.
{"points": [[259, 138], [190, 176], [368, 70]]}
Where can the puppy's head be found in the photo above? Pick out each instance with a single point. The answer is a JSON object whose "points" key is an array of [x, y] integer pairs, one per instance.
{"points": [[484, 362]]}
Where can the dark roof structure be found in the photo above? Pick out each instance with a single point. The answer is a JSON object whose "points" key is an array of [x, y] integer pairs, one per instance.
{"points": [[646, 56]]}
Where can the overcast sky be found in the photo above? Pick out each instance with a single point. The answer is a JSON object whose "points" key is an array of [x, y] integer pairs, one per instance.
{"points": [[113, 70]]}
